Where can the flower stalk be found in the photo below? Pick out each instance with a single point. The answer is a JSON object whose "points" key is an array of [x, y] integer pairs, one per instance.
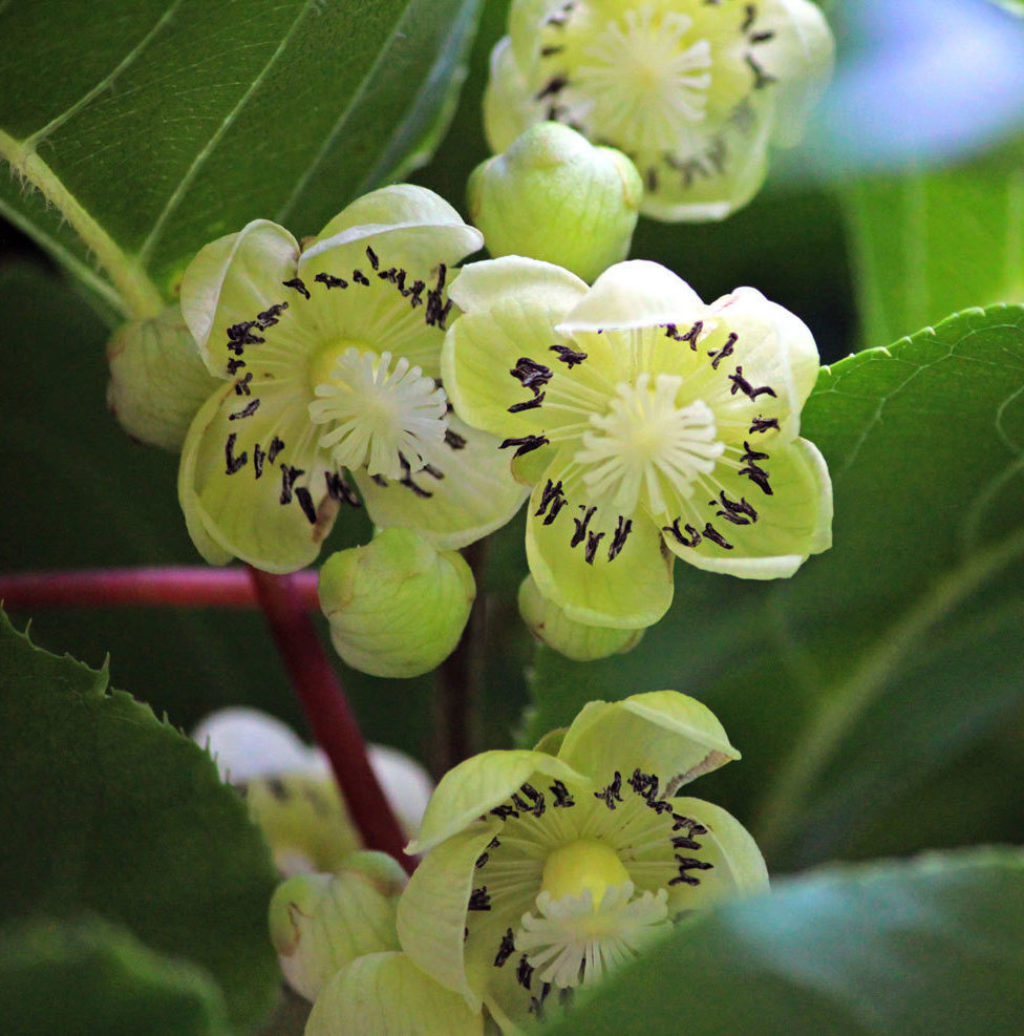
{"points": [[331, 719]]}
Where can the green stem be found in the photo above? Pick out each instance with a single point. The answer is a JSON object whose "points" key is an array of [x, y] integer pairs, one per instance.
{"points": [[846, 703], [139, 296]]}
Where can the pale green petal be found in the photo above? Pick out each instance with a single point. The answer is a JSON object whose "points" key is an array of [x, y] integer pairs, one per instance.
{"points": [[256, 511], [477, 785], [540, 286], [475, 494], [634, 294], [738, 868], [508, 105], [385, 994], [722, 170], [800, 56], [627, 581], [432, 910], [792, 523], [775, 348], [665, 733], [233, 280], [510, 306], [401, 204], [582, 643]]}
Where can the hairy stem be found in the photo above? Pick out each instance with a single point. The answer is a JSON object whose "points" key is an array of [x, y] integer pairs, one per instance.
{"points": [[330, 717], [184, 586], [140, 297]]}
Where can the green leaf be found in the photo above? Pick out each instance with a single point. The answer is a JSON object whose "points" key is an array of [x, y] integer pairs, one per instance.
{"points": [[934, 946], [113, 812], [154, 128], [930, 243], [884, 661], [88, 976]]}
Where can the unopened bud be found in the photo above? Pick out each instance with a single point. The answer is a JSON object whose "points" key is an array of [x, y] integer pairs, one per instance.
{"points": [[397, 606], [321, 922], [556, 197], [548, 623], [158, 381]]}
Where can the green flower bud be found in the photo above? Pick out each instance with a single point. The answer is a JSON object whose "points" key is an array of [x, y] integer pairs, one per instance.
{"points": [[158, 380], [582, 643], [321, 922], [556, 197], [397, 606]]}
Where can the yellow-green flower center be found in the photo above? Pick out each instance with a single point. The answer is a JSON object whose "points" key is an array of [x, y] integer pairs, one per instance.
{"points": [[581, 865], [386, 419], [323, 362], [646, 447]]}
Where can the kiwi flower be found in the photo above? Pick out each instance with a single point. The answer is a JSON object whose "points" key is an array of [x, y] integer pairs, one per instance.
{"points": [[651, 425], [693, 91], [545, 869], [329, 355]]}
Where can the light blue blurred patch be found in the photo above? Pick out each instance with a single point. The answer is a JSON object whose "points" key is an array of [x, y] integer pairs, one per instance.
{"points": [[918, 82]]}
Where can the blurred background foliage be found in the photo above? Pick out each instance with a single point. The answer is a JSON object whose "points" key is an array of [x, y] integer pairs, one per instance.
{"points": [[903, 645]]}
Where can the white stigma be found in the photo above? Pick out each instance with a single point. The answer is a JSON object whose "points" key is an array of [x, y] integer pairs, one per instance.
{"points": [[574, 943], [647, 84], [646, 442], [378, 416]]}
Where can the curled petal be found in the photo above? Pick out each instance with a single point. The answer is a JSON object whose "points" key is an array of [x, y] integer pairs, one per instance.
{"points": [[432, 911], [664, 733], [231, 281], [634, 294], [478, 785]]}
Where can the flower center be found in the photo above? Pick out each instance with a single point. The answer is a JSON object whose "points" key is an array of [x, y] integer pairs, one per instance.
{"points": [[647, 80], [574, 941], [583, 865], [646, 444], [386, 419]]}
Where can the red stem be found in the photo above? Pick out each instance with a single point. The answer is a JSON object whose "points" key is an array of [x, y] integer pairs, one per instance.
{"points": [[330, 717], [179, 587]]}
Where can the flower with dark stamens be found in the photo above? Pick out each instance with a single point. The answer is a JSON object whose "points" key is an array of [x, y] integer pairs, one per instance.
{"points": [[654, 425], [546, 869], [330, 354], [692, 91]]}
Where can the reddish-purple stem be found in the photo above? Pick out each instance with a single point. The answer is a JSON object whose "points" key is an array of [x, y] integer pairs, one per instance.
{"points": [[179, 587], [332, 721]]}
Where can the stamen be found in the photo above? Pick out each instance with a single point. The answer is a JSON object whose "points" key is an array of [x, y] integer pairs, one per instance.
{"points": [[573, 942], [646, 80], [386, 419], [645, 443]]}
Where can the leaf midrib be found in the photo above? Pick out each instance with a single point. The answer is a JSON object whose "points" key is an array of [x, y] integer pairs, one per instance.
{"points": [[846, 701]]}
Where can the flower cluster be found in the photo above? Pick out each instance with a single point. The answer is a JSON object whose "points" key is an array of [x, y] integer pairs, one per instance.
{"points": [[693, 92]]}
